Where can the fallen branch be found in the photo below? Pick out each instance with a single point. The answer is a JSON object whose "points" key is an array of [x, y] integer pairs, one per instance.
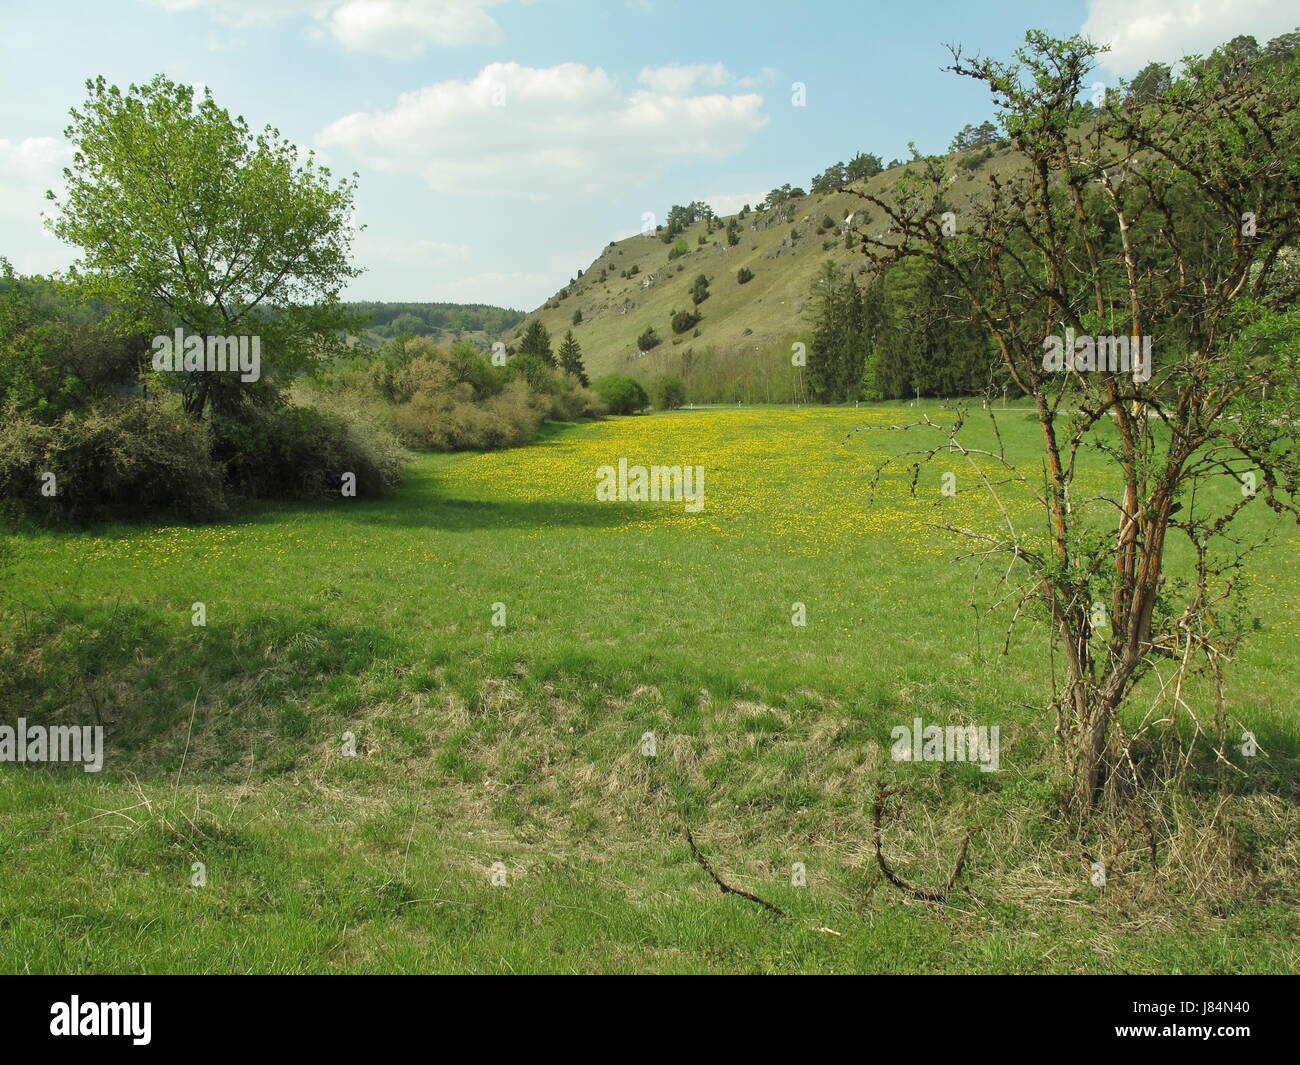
{"points": [[726, 888], [877, 810]]}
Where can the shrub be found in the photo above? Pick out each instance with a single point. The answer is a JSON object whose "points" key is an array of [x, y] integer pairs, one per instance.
{"points": [[667, 392], [55, 353], [683, 320], [452, 421], [370, 423], [556, 393], [743, 275], [975, 160], [301, 452], [575, 402], [648, 339], [456, 400], [621, 394], [419, 364], [116, 454], [531, 368]]}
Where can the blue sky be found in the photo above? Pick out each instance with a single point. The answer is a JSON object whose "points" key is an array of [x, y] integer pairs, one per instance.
{"points": [[500, 143]]}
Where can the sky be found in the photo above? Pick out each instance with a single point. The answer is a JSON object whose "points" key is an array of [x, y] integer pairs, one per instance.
{"points": [[500, 144]]}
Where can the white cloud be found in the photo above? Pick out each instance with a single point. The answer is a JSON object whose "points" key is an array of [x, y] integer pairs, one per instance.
{"points": [[400, 29], [562, 132], [1140, 31], [27, 168], [680, 80]]}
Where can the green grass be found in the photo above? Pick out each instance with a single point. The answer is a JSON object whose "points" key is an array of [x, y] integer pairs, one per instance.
{"points": [[519, 744]]}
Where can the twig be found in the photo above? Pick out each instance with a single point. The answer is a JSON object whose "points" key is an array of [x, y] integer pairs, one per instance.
{"points": [[723, 886], [877, 809]]}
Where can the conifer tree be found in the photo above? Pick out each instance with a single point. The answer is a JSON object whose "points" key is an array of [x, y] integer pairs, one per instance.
{"points": [[570, 356], [537, 341]]}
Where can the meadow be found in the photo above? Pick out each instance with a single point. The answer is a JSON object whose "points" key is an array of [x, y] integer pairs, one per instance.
{"points": [[521, 743]]}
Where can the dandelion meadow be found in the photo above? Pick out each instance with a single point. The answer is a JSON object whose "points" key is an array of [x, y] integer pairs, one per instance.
{"points": [[497, 644]]}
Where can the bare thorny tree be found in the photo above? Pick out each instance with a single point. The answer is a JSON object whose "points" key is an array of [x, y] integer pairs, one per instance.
{"points": [[1173, 220]]}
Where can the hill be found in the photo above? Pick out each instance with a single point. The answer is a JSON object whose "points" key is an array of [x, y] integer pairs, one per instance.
{"points": [[740, 351]]}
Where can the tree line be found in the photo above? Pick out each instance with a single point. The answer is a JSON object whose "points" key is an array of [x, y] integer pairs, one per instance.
{"points": [[425, 319]]}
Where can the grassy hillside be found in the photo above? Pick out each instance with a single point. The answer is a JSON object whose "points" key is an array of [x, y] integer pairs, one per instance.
{"points": [[519, 744], [742, 353]]}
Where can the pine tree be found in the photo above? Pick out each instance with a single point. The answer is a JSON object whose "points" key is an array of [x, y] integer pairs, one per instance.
{"points": [[917, 337], [571, 358], [537, 341], [835, 361]]}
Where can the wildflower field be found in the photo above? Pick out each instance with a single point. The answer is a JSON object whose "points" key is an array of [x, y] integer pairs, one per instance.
{"points": [[495, 644]]}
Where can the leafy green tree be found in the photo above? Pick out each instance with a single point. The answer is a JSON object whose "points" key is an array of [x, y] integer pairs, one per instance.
{"points": [[1282, 51], [781, 195], [681, 217], [699, 290], [622, 394], [531, 368], [983, 135], [832, 178], [410, 324], [185, 217], [1234, 59], [861, 166], [1152, 82]]}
